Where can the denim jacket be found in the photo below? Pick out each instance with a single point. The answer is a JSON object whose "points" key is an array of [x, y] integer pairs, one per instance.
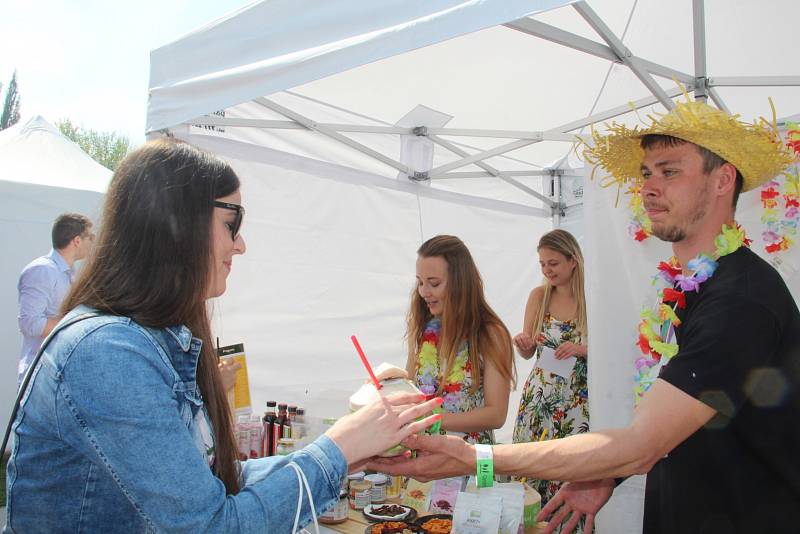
{"points": [[104, 442]]}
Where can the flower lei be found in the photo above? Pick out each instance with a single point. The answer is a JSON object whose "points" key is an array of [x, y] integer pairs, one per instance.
{"points": [[778, 194], [782, 194], [429, 375], [657, 328], [639, 227]]}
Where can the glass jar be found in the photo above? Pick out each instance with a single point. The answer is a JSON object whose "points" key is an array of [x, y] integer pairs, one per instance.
{"points": [[394, 486], [378, 482], [337, 514], [360, 494], [285, 446]]}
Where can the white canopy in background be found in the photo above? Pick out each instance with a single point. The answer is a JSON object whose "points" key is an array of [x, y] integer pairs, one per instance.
{"points": [[318, 106], [42, 174]]}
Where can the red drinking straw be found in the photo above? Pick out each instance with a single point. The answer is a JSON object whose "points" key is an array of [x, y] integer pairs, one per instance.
{"points": [[366, 362]]}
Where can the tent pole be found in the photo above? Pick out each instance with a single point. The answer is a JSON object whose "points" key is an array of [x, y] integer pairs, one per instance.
{"points": [[700, 72], [623, 53], [614, 112], [311, 125], [491, 170], [754, 81], [502, 149], [558, 207], [718, 100], [537, 28]]}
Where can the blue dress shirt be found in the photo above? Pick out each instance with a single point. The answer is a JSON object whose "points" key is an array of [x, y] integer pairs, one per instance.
{"points": [[42, 286]]}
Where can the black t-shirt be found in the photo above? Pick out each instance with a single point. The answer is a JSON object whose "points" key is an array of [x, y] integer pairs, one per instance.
{"points": [[740, 354]]}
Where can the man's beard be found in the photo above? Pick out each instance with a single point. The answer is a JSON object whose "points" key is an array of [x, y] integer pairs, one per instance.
{"points": [[674, 234]]}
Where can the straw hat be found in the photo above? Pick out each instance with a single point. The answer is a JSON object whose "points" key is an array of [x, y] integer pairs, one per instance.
{"points": [[756, 149]]}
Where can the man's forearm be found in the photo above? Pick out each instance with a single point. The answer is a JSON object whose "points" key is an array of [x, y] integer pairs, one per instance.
{"points": [[582, 457]]}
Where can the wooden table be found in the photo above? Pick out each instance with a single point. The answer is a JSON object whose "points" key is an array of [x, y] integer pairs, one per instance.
{"points": [[357, 524]]}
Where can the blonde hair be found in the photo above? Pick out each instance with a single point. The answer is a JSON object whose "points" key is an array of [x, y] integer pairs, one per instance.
{"points": [[564, 243], [466, 315]]}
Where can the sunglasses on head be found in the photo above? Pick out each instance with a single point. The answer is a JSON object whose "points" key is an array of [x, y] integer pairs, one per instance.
{"points": [[237, 222]]}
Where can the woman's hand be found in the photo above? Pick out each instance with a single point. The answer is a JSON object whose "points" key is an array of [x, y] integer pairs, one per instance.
{"points": [[569, 349], [382, 425], [525, 344], [437, 457]]}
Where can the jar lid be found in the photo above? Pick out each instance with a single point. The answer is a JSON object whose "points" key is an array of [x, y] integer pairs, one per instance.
{"points": [[377, 478], [356, 476]]}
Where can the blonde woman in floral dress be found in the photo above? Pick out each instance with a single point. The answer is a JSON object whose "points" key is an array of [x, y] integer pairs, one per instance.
{"points": [[458, 347], [555, 317]]}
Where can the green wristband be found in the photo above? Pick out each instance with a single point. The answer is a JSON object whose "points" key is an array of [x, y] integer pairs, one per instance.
{"points": [[485, 466]]}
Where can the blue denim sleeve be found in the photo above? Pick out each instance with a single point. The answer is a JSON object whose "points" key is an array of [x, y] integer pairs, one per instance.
{"points": [[33, 297], [116, 404], [321, 461]]}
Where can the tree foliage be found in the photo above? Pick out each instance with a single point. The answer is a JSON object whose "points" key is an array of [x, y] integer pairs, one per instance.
{"points": [[10, 115], [106, 148]]}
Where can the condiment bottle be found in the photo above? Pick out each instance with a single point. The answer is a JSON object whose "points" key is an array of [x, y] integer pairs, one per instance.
{"points": [[267, 447]]}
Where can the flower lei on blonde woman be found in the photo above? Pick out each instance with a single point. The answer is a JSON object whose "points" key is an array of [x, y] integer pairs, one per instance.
{"points": [[429, 373], [657, 328]]}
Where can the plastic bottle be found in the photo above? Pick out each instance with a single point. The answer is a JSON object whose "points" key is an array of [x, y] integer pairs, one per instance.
{"points": [[255, 436], [242, 433]]}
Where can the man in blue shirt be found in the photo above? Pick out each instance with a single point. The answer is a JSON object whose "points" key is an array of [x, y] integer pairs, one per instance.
{"points": [[45, 282]]}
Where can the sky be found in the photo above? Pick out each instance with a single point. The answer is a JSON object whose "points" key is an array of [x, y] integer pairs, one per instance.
{"points": [[89, 60]]}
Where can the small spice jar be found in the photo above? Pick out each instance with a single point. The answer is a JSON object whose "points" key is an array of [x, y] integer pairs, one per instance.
{"points": [[285, 446], [394, 486], [337, 514], [378, 482], [358, 475], [360, 494]]}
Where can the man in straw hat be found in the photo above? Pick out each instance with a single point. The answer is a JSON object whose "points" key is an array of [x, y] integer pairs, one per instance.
{"points": [[717, 429]]}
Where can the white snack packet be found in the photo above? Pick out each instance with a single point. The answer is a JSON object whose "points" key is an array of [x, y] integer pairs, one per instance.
{"points": [[513, 498], [477, 514]]}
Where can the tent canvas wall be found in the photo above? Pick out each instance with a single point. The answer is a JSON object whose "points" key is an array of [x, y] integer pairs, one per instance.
{"points": [[43, 175], [328, 86]]}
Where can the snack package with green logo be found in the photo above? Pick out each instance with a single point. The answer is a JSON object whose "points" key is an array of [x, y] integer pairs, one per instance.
{"points": [[477, 514]]}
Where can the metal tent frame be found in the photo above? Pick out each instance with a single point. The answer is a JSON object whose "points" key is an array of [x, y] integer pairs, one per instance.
{"points": [[700, 83]]}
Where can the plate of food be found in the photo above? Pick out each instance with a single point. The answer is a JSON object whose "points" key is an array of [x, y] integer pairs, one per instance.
{"points": [[435, 524], [389, 512], [392, 527]]}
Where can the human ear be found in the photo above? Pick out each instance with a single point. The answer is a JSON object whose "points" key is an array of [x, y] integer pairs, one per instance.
{"points": [[726, 178]]}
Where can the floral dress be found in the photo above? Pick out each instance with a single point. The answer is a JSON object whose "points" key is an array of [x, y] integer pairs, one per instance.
{"points": [[457, 395], [551, 401]]}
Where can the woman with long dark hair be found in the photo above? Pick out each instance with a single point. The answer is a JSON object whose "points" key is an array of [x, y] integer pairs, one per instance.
{"points": [[125, 424], [458, 348]]}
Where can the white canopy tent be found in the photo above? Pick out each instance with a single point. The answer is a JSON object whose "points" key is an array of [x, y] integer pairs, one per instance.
{"points": [[360, 129], [42, 174]]}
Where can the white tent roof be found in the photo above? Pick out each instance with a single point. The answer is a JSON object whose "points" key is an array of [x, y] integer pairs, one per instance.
{"points": [[37, 153], [526, 75]]}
